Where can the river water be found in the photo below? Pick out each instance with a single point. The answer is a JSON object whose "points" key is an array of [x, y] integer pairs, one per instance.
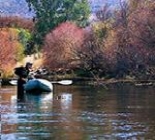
{"points": [[122, 112]]}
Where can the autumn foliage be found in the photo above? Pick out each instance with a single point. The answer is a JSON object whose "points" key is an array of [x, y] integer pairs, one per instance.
{"points": [[117, 45], [7, 50], [120, 43], [14, 37], [11, 50], [60, 45], [134, 37], [16, 22]]}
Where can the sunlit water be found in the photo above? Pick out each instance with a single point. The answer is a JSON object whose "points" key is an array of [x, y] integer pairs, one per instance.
{"points": [[122, 112]]}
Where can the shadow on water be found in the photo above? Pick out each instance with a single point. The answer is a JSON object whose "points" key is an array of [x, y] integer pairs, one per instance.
{"points": [[80, 113]]}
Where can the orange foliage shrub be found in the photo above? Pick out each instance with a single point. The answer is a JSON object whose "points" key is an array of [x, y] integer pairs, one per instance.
{"points": [[60, 45], [8, 42]]}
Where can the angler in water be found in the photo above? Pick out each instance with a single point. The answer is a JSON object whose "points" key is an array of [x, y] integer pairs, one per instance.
{"points": [[23, 74]]}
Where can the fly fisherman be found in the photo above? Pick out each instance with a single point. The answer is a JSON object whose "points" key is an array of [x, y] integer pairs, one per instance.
{"points": [[23, 74]]}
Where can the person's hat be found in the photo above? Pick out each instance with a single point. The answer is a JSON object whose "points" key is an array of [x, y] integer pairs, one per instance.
{"points": [[28, 64]]}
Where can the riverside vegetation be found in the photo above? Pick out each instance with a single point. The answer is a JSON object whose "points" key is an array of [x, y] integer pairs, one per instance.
{"points": [[119, 45]]}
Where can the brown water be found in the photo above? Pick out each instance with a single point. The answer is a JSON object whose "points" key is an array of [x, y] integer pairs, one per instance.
{"points": [[123, 112]]}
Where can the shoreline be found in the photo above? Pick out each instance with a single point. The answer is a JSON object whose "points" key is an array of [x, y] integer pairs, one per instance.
{"points": [[94, 82]]}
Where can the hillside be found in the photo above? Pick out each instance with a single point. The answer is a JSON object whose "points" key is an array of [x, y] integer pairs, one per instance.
{"points": [[20, 7], [15, 8]]}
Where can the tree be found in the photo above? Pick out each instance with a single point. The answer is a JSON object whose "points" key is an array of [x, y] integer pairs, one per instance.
{"points": [[142, 24], [60, 45], [24, 27], [134, 34], [11, 49], [90, 55], [50, 13], [7, 51], [104, 13], [25, 38]]}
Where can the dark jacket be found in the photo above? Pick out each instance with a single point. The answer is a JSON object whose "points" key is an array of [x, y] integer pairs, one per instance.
{"points": [[22, 72]]}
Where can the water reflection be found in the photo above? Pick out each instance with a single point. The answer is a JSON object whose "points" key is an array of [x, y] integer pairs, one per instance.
{"points": [[79, 113], [20, 118]]}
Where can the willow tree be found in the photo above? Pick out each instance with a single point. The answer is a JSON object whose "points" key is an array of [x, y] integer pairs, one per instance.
{"points": [[50, 13]]}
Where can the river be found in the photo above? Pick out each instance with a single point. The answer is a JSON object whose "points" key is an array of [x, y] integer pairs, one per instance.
{"points": [[122, 112]]}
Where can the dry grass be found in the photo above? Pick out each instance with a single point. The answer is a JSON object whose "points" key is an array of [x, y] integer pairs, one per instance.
{"points": [[7, 71], [37, 61]]}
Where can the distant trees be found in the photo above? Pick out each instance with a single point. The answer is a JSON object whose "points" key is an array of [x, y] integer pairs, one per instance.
{"points": [[51, 13], [16, 22]]}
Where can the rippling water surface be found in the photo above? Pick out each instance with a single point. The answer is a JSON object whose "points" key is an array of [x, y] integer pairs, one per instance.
{"points": [[122, 112]]}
